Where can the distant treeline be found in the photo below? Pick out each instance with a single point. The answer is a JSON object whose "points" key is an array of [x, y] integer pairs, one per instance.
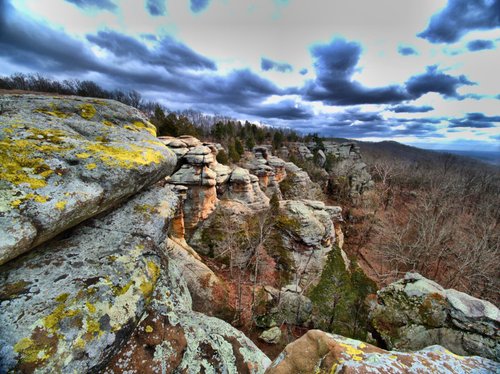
{"points": [[230, 132]]}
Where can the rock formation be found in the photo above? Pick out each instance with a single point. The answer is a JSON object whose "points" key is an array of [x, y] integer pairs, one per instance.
{"points": [[320, 352], [416, 312], [64, 160]]}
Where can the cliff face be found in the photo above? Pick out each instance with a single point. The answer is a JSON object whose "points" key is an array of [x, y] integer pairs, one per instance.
{"points": [[119, 250]]}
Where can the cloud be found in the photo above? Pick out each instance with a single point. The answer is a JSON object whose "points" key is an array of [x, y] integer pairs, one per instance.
{"points": [[479, 45], [411, 109], [434, 80], [303, 71], [407, 51], [461, 16], [474, 120], [267, 64], [335, 63], [100, 4], [199, 5], [168, 53], [285, 110], [156, 7]]}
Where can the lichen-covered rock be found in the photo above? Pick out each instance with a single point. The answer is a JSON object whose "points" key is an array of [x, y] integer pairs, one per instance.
{"points": [[171, 338], [320, 352], [244, 187], [298, 185], [271, 336], [65, 159], [207, 290], [69, 305], [308, 232], [416, 312]]}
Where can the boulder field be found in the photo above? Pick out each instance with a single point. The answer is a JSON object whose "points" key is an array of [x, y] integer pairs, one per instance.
{"points": [[104, 236]]}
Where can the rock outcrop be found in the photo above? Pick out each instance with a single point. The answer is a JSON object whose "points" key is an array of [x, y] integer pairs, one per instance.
{"points": [[71, 303], [320, 352], [269, 169], [244, 187], [416, 312], [298, 185], [65, 159], [308, 231], [172, 338]]}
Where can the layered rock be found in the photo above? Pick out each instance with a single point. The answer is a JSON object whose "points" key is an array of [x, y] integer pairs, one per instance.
{"points": [[416, 312], [320, 352], [65, 159], [269, 169], [200, 181], [244, 187], [71, 303]]}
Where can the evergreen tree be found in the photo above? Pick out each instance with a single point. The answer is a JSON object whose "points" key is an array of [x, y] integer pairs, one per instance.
{"points": [[239, 147]]}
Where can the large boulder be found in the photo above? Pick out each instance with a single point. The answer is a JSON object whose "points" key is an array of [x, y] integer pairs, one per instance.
{"points": [[65, 159], [416, 312], [68, 306], [320, 352]]}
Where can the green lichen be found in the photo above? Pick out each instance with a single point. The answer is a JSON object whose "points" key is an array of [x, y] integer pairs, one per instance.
{"points": [[87, 111]]}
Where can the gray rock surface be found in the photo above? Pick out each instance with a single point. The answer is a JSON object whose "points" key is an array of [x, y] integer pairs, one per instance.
{"points": [[65, 159], [416, 312], [171, 338], [69, 305]]}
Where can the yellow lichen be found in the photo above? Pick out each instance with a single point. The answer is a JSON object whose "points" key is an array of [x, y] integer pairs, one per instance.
{"points": [[31, 351], [94, 327], [91, 308], [51, 322], [61, 205], [62, 298], [118, 291], [79, 343], [87, 111], [83, 155], [108, 123], [16, 203], [40, 198], [138, 126], [22, 161], [149, 329], [90, 166], [125, 156], [54, 112]]}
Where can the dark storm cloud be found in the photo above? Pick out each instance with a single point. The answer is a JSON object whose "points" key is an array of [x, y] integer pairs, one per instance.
{"points": [[335, 63], [411, 109], [285, 110], [168, 53], [267, 64], [303, 71], [461, 16], [31, 44], [101, 4], [156, 7], [434, 80], [479, 45], [474, 120], [239, 88], [407, 51], [199, 5]]}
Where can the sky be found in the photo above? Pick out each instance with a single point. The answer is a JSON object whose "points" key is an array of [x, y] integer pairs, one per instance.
{"points": [[420, 72]]}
